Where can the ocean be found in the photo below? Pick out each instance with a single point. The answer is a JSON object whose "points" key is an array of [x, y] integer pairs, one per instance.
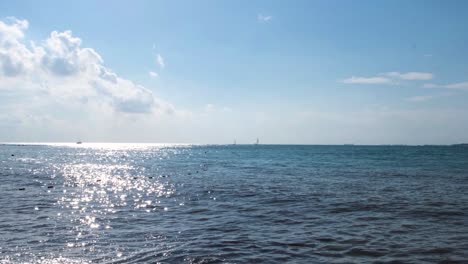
{"points": [[169, 203]]}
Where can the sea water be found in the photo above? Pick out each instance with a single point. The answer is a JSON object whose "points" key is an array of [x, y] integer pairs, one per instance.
{"points": [[150, 203]]}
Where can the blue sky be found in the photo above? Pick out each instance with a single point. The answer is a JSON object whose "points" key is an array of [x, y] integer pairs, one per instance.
{"points": [[313, 72]]}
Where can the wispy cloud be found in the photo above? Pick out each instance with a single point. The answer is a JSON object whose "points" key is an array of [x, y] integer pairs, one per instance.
{"points": [[427, 55], [462, 85], [457, 86], [413, 76], [153, 74], [389, 77], [227, 109], [366, 80], [209, 108], [420, 98], [160, 61], [430, 85], [264, 18]]}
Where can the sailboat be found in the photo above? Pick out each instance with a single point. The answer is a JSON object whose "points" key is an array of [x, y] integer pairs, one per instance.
{"points": [[235, 143], [256, 142]]}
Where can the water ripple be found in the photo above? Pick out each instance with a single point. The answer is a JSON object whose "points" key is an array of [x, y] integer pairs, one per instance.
{"points": [[136, 203]]}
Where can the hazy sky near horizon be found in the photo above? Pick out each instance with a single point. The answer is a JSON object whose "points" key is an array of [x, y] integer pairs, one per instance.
{"points": [[312, 72]]}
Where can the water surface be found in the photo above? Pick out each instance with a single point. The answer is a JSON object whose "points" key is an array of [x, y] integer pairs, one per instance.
{"points": [[136, 203]]}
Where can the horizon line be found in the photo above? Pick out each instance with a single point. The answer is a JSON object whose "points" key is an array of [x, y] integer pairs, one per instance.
{"points": [[221, 144]]}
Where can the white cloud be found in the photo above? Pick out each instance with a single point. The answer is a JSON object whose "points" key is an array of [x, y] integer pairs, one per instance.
{"points": [[430, 85], [456, 86], [420, 98], [410, 75], [389, 77], [461, 86], [153, 74], [227, 109], [264, 18], [160, 61], [367, 80], [15, 58], [61, 68], [209, 108]]}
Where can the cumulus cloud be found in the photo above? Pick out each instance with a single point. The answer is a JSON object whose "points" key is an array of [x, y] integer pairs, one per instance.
{"points": [[153, 74], [264, 18], [366, 80], [62, 68], [15, 58], [64, 55]]}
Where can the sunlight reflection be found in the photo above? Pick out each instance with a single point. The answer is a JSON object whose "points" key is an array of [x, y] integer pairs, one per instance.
{"points": [[113, 146], [94, 191]]}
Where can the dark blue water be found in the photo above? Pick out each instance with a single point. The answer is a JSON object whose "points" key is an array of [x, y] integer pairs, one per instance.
{"points": [[96, 203]]}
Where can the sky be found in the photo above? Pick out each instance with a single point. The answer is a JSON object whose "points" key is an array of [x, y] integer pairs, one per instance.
{"points": [[286, 72]]}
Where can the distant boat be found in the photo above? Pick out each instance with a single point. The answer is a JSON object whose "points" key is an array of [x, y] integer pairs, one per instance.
{"points": [[79, 142], [235, 143], [256, 142]]}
